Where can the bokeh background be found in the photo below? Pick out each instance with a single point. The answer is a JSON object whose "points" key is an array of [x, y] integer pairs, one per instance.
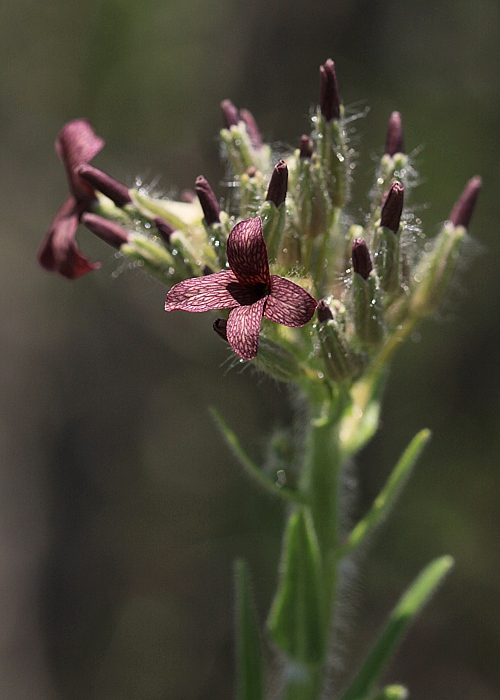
{"points": [[121, 511]]}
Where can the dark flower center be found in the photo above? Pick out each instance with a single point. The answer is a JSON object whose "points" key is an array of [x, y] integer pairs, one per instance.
{"points": [[245, 296]]}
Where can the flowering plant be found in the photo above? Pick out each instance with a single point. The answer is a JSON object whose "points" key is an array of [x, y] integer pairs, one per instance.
{"points": [[341, 297]]}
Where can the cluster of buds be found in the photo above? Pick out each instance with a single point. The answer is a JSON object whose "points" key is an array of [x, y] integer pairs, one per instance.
{"points": [[279, 252]]}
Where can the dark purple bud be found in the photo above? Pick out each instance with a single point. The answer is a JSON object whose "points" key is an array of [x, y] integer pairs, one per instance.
{"points": [[392, 208], [278, 185], [394, 137], [324, 313], [101, 181], [208, 201], [252, 129], [220, 326], [109, 231], [461, 213], [306, 147], [329, 97], [164, 228], [230, 114], [361, 260]]}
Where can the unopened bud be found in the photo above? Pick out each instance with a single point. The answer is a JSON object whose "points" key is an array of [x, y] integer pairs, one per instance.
{"points": [[208, 201], [339, 360], [230, 114], [276, 192], [111, 188], [461, 213], [252, 129], [394, 137], [329, 98], [164, 228], [392, 207], [109, 231], [220, 327], [306, 147], [361, 259]]}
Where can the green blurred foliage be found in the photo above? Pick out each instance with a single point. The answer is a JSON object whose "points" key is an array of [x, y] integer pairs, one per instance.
{"points": [[121, 509]]}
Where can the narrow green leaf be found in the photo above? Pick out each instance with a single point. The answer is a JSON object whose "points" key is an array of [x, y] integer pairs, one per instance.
{"points": [[384, 502], [249, 465], [296, 621], [250, 675], [400, 618]]}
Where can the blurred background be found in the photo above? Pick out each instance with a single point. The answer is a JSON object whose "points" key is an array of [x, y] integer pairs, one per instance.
{"points": [[121, 510]]}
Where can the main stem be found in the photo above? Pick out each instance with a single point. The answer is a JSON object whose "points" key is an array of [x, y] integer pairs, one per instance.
{"points": [[320, 483]]}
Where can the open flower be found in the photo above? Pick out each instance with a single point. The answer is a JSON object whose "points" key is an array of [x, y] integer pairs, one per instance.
{"points": [[76, 145], [248, 289]]}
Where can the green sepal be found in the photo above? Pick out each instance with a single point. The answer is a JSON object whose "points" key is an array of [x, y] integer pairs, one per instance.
{"points": [[238, 148], [386, 259], [252, 192], [277, 361], [409, 605], [273, 226], [339, 360], [330, 140], [387, 497], [249, 670], [296, 620], [311, 199], [435, 271], [181, 215], [153, 257], [367, 310]]}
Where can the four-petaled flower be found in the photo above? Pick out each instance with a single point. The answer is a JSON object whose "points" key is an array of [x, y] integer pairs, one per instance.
{"points": [[76, 145], [248, 289]]}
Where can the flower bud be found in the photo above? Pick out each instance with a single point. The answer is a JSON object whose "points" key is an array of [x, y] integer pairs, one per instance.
{"points": [[230, 114], [392, 207], [339, 360], [306, 147], [252, 129], [394, 136], [111, 188], [329, 98], [461, 213], [164, 228], [108, 231], [208, 201], [361, 260], [276, 192], [365, 296]]}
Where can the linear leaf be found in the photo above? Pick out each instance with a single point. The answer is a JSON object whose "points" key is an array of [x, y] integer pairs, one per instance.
{"points": [[250, 675], [400, 618], [387, 497]]}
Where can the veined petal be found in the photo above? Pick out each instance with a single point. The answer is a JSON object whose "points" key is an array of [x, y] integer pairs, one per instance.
{"points": [[288, 303], [247, 253], [243, 328], [59, 251], [77, 144], [199, 294]]}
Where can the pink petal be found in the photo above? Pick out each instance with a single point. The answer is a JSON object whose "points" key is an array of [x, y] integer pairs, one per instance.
{"points": [[204, 293], [59, 251], [247, 253], [288, 303], [77, 144], [243, 328]]}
